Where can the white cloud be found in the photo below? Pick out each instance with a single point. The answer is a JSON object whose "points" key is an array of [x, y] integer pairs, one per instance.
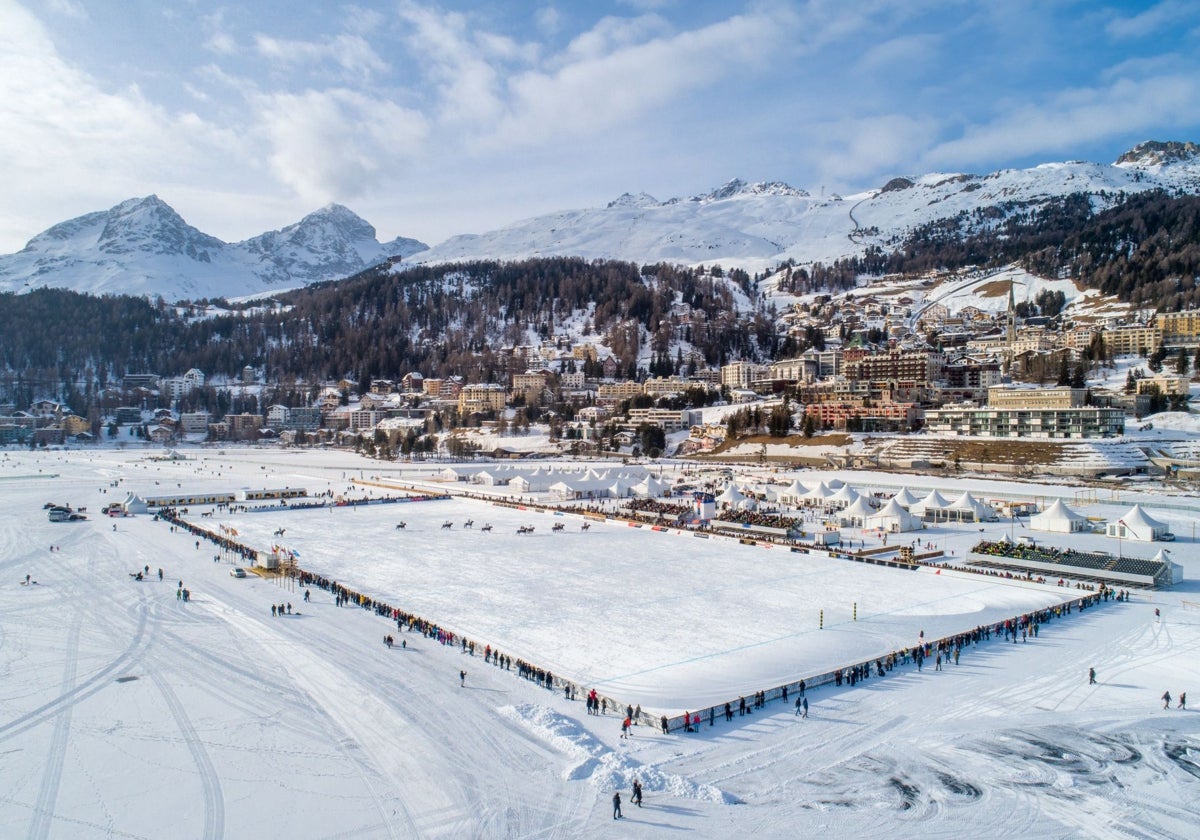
{"points": [[1076, 117], [335, 144], [352, 53], [219, 40], [68, 8], [548, 20], [467, 84], [592, 89], [1157, 17], [889, 143]]}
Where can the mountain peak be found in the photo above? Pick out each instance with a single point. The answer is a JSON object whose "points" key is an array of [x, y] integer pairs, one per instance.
{"points": [[1159, 153], [629, 200], [738, 187]]}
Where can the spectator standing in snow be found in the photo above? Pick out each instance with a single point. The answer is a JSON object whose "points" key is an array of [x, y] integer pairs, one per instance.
{"points": [[617, 805], [1091, 676], [462, 678], [1182, 700], [637, 793], [805, 704]]}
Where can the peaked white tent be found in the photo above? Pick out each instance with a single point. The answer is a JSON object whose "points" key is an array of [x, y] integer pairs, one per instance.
{"points": [[844, 497], [135, 504], [966, 508], [1138, 525], [1059, 519], [893, 518], [730, 496], [856, 514], [818, 494], [932, 503], [905, 498], [793, 493]]}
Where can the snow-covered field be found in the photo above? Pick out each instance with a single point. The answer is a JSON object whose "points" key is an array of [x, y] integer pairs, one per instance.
{"points": [[127, 713]]}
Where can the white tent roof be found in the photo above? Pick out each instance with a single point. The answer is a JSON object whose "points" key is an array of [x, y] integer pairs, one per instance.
{"points": [[819, 493], [1142, 526], [793, 490], [1058, 517], [731, 494], [934, 501], [859, 509], [846, 494], [905, 498], [893, 514]]}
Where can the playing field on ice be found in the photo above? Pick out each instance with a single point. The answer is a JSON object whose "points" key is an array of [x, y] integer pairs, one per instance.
{"points": [[664, 619]]}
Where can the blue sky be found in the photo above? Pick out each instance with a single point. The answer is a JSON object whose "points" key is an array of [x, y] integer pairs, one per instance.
{"points": [[430, 119]]}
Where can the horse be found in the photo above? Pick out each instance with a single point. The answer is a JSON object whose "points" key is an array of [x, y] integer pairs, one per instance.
{"points": [[525, 529], [558, 526], [486, 527], [447, 524], [401, 526], [470, 523], [279, 532], [585, 526]]}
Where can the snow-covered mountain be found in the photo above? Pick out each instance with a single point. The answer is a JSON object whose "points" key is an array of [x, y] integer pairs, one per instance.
{"points": [[143, 247], [760, 225]]}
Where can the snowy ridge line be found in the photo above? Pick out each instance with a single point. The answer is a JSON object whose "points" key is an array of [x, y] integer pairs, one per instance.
{"points": [[1060, 610]]}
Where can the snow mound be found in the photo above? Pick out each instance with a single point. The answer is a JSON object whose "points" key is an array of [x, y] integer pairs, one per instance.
{"points": [[598, 763]]}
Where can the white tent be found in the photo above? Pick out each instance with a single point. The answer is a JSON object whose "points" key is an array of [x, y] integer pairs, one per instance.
{"points": [[1138, 525], [905, 499], [793, 493], [818, 494], [966, 508], [931, 503], [856, 514], [844, 497], [651, 488], [1058, 518], [135, 504], [731, 496], [893, 518]]}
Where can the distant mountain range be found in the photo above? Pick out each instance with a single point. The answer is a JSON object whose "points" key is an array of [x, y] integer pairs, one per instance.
{"points": [[143, 247]]}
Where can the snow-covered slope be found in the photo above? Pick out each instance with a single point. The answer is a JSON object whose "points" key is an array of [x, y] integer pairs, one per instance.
{"points": [[142, 246], [757, 225]]}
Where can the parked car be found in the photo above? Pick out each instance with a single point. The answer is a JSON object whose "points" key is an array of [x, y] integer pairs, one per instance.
{"points": [[237, 573]]}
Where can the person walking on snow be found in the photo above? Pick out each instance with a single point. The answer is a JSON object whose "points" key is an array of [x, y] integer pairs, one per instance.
{"points": [[617, 805], [1182, 700], [462, 678], [805, 704], [637, 793], [798, 699], [1091, 676], [1166, 698]]}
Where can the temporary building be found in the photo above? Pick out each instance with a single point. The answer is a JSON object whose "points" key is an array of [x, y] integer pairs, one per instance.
{"points": [[856, 514], [966, 508], [1138, 525], [1059, 519], [893, 518], [905, 498], [818, 494], [932, 504], [844, 497], [793, 493]]}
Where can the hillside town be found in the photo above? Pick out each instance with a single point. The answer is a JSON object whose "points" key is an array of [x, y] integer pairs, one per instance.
{"points": [[880, 366]]}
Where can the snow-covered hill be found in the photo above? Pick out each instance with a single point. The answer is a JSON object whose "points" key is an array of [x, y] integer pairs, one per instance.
{"points": [[760, 225], [142, 246]]}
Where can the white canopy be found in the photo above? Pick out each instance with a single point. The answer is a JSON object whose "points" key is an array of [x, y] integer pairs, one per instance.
{"points": [[1137, 525], [904, 498], [893, 518], [793, 493], [1058, 518], [856, 513], [934, 501], [845, 496], [819, 493]]}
